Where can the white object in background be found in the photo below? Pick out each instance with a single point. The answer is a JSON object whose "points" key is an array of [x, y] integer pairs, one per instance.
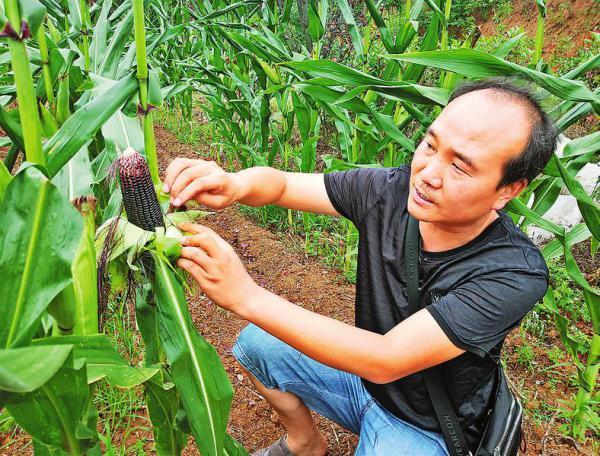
{"points": [[565, 211]]}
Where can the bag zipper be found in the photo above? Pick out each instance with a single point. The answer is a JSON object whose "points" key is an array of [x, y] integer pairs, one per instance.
{"points": [[510, 412], [516, 423]]}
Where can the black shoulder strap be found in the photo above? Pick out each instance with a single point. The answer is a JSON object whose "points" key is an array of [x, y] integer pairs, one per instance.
{"points": [[453, 434]]}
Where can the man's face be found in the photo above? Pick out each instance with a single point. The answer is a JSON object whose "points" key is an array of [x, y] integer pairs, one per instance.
{"points": [[459, 163]]}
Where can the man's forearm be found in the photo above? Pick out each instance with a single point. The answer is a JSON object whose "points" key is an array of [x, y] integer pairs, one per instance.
{"points": [[260, 186], [324, 339]]}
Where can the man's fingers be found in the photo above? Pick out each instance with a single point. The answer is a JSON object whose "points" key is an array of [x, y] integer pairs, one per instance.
{"points": [[173, 170], [183, 179], [203, 184], [196, 271], [197, 256], [206, 240]]}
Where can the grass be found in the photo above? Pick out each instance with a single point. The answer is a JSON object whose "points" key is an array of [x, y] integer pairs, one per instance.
{"points": [[121, 409]]}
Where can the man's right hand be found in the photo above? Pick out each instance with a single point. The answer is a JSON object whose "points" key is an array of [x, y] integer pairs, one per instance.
{"points": [[202, 181]]}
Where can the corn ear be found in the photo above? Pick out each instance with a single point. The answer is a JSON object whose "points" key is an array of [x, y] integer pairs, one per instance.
{"points": [[139, 197]]}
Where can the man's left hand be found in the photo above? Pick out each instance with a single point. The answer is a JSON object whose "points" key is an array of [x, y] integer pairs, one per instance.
{"points": [[213, 263]]}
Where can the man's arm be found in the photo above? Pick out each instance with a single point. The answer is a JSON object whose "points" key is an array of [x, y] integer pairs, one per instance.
{"points": [[207, 183], [415, 344], [300, 191]]}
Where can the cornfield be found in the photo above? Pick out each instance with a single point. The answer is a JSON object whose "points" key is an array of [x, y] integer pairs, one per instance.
{"points": [[79, 85]]}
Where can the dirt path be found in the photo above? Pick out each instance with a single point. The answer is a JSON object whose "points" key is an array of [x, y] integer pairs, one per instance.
{"points": [[310, 284]]}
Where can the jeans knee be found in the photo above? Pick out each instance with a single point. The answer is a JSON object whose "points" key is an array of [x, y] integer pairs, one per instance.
{"points": [[253, 343], [254, 350]]}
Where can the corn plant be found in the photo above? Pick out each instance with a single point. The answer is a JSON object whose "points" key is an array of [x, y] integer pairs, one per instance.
{"points": [[52, 349]]}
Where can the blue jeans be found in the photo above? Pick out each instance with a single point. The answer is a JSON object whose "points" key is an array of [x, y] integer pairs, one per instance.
{"points": [[338, 395]]}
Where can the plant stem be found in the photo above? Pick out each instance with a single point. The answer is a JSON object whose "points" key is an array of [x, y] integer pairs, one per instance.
{"points": [[539, 37], [142, 75], [585, 393], [25, 91], [41, 37], [85, 26]]}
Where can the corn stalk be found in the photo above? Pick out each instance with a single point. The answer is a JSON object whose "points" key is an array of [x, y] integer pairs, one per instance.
{"points": [[23, 81], [142, 74]]}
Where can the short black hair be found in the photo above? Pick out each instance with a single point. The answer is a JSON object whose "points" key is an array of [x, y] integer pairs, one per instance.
{"points": [[543, 135]]}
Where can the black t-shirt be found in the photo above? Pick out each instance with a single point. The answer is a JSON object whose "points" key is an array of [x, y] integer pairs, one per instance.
{"points": [[476, 292]]}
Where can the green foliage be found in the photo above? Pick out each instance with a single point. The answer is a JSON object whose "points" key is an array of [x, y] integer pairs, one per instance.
{"points": [[269, 100]]}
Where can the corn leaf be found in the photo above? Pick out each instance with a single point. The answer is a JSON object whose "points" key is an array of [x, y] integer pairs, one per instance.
{"points": [[233, 448], [35, 264], [588, 208], [79, 129], [5, 178], [55, 414], [23, 370], [341, 74], [353, 29], [164, 404], [9, 121], [383, 30], [477, 64], [195, 367], [99, 38], [554, 249], [102, 360]]}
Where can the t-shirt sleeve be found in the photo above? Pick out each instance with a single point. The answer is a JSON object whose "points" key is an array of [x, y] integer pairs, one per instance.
{"points": [[477, 315], [353, 192]]}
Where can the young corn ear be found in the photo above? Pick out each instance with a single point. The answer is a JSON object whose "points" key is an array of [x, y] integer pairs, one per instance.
{"points": [[139, 197]]}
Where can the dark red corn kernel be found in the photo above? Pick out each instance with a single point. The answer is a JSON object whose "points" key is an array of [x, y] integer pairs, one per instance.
{"points": [[139, 197]]}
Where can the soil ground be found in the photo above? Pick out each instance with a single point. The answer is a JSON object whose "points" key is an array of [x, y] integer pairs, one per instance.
{"points": [[568, 23]]}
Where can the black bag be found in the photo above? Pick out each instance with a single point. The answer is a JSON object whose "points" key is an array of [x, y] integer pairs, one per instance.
{"points": [[502, 434]]}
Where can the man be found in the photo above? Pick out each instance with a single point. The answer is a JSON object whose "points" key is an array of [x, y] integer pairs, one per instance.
{"points": [[479, 276]]}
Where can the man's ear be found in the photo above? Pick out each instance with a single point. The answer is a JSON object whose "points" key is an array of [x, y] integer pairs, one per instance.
{"points": [[508, 192]]}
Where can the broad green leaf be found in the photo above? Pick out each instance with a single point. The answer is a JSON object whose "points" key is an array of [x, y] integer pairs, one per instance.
{"points": [[79, 129], [99, 38], [23, 370], [39, 233], [112, 56], [75, 178], [383, 30], [477, 64], [342, 74], [10, 123], [507, 46], [56, 413], [195, 367], [163, 405], [555, 249], [353, 29], [316, 27], [102, 360], [32, 14], [5, 178], [589, 209], [584, 67], [233, 448]]}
